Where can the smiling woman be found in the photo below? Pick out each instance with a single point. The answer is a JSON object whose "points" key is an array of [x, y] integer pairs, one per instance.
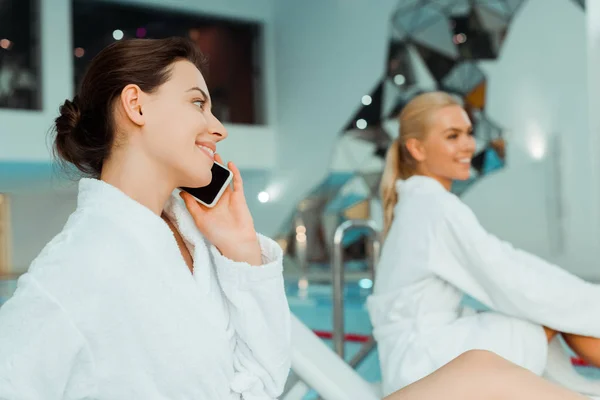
{"points": [[143, 281], [435, 140], [436, 252], [83, 141]]}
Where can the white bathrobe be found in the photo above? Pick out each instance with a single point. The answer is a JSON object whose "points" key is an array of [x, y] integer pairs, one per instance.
{"points": [[110, 311], [435, 252]]}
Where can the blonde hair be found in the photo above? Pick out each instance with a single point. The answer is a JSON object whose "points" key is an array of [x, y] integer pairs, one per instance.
{"points": [[399, 163]]}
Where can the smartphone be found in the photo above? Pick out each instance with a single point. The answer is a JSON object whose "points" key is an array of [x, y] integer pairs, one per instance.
{"points": [[210, 195]]}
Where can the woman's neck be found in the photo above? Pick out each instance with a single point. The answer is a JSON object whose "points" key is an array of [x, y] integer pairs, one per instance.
{"points": [[139, 179], [445, 182]]}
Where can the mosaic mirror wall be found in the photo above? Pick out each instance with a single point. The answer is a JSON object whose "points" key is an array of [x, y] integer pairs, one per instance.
{"points": [[433, 45]]}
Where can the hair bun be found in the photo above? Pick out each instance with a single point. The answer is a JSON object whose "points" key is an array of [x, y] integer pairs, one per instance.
{"points": [[69, 117], [71, 141]]}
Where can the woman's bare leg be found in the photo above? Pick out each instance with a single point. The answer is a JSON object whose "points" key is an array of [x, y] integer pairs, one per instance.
{"points": [[550, 333], [588, 348], [482, 375]]}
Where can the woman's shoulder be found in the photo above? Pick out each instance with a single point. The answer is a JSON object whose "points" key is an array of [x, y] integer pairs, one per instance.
{"points": [[90, 258], [426, 196], [85, 233], [87, 245]]}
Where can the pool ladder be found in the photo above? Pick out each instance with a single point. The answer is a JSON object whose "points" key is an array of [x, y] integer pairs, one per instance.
{"points": [[337, 269], [295, 387]]}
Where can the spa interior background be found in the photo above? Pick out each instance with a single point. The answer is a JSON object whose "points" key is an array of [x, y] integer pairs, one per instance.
{"points": [[309, 91]]}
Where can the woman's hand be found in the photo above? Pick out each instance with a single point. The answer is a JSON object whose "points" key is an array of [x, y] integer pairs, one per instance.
{"points": [[228, 225]]}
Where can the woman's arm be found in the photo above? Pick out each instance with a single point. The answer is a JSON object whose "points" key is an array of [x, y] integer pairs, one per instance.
{"points": [[260, 322], [509, 280], [258, 308]]}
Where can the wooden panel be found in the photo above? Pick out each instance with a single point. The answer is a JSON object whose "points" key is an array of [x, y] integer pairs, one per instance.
{"points": [[358, 211], [476, 98], [5, 235]]}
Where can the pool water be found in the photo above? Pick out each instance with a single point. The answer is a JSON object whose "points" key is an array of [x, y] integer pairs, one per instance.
{"points": [[7, 288], [313, 306]]}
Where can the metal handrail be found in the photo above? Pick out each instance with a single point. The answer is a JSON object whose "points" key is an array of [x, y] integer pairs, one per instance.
{"points": [[338, 275], [363, 352]]}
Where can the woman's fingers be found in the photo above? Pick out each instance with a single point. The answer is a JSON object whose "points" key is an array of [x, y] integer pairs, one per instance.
{"points": [[195, 208], [238, 184]]}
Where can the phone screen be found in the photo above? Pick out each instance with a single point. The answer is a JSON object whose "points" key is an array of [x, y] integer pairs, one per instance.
{"points": [[221, 176]]}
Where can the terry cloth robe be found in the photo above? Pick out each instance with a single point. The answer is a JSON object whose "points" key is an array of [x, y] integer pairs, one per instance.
{"points": [[436, 252], [110, 311]]}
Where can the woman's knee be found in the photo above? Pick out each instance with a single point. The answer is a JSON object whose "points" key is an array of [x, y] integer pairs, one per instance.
{"points": [[485, 367], [480, 369], [483, 358]]}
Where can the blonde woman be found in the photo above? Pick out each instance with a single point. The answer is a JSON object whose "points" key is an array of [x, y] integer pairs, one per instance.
{"points": [[436, 251]]}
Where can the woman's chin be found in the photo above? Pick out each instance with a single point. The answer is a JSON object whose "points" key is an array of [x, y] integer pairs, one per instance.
{"points": [[199, 181], [462, 177]]}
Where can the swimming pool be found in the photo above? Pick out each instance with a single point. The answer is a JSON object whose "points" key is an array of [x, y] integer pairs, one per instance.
{"points": [[7, 288], [313, 306]]}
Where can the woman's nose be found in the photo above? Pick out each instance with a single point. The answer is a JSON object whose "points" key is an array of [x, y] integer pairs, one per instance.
{"points": [[217, 129]]}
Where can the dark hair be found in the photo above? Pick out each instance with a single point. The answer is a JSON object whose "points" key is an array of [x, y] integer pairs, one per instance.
{"points": [[85, 129]]}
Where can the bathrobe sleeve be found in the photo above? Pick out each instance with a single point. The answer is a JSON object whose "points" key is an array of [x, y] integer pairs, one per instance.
{"points": [[260, 318], [509, 280], [42, 354]]}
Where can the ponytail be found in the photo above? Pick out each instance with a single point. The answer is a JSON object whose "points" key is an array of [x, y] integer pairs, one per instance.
{"points": [[399, 164], [387, 188]]}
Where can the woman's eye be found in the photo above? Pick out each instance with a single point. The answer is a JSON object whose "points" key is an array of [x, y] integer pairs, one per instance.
{"points": [[453, 136], [200, 103]]}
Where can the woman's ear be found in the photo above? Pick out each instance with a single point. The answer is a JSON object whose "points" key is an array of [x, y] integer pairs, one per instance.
{"points": [[131, 104], [416, 149]]}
